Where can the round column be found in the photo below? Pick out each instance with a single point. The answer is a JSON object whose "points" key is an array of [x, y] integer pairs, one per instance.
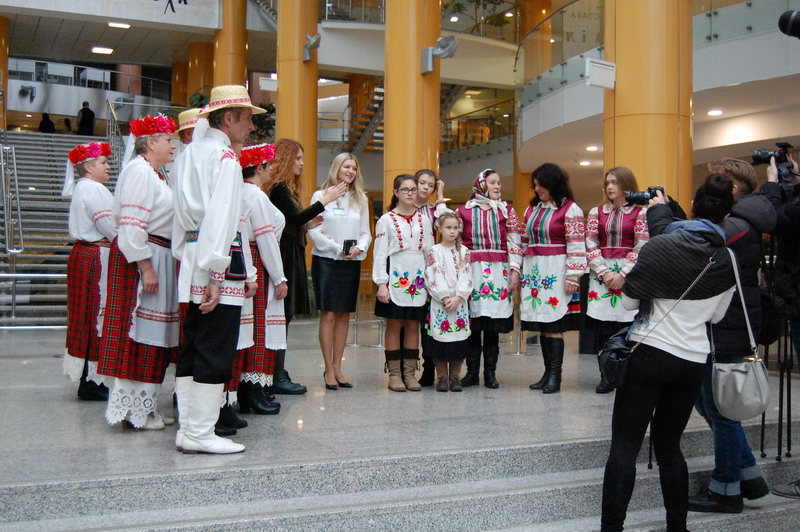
{"points": [[230, 44], [200, 71], [180, 73]]}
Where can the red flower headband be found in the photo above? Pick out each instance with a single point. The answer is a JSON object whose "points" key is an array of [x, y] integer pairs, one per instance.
{"points": [[87, 152], [256, 155], [152, 125]]}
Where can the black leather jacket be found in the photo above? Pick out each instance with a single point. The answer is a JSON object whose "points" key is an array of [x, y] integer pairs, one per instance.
{"points": [[786, 292]]}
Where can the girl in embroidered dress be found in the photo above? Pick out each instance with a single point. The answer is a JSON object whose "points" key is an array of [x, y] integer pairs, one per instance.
{"points": [[91, 226], [448, 277], [335, 267], [427, 183], [555, 259], [402, 238], [615, 232], [140, 330], [492, 233]]}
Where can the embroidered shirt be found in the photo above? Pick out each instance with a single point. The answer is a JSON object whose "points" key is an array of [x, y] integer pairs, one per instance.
{"points": [[394, 234], [557, 230], [90, 212], [615, 232], [490, 236]]}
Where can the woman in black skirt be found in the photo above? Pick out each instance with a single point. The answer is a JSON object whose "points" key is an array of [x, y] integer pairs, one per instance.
{"points": [[340, 244], [283, 190], [403, 236]]}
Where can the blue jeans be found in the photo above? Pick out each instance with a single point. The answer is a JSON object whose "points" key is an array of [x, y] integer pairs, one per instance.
{"points": [[733, 459]]}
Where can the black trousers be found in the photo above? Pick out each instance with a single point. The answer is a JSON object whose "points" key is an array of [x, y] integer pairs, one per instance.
{"points": [[660, 390], [209, 344]]}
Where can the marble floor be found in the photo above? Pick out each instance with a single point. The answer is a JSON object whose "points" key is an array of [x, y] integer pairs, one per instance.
{"points": [[48, 434]]}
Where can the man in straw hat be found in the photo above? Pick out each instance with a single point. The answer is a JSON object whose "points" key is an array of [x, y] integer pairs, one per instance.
{"points": [[187, 120], [216, 272]]}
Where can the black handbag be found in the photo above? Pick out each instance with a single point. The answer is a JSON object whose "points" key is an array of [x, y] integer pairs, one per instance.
{"points": [[615, 354]]}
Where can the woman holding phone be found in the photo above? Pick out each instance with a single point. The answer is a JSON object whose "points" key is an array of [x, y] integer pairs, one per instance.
{"points": [[340, 244]]}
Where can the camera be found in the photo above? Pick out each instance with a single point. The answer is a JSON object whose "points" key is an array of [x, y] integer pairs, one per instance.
{"points": [[642, 198], [781, 161]]}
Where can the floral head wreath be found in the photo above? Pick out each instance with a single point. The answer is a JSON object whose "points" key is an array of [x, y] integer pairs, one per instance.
{"points": [[479, 188], [86, 152], [256, 155], [152, 125], [80, 154]]}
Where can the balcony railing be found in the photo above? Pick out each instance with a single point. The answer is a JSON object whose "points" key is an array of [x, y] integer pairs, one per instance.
{"points": [[479, 126]]}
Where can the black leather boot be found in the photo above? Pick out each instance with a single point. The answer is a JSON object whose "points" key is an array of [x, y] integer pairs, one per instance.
{"points": [[556, 351], [220, 428], [228, 417], [473, 360], [428, 371], [538, 385], [490, 355], [252, 397], [282, 383], [89, 390]]}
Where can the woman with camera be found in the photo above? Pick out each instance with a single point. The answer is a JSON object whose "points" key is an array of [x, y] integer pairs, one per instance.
{"points": [[615, 232], [554, 260], [665, 372], [340, 244]]}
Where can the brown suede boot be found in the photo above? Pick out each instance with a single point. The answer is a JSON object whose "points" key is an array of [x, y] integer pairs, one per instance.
{"points": [[410, 364], [393, 368], [455, 371]]}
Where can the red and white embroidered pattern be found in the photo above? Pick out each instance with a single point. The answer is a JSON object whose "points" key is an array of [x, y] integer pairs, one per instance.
{"points": [[99, 215], [227, 154], [156, 315], [416, 217], [263, 230]]}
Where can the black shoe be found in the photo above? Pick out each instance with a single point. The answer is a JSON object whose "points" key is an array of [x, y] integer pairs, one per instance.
{"points": [[441, 384], [538, 385], [489, 380], [228, 418], [91, 391], [253, 397], [343, 384], [332, 387], [755, 488], [708, 501], [603, 387], [470, 379], [282, 384], [455, 384], [224, 431]]}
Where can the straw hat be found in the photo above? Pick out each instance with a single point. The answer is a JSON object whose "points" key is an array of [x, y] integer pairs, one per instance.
{"points": [[226, 96], [187, 119]]}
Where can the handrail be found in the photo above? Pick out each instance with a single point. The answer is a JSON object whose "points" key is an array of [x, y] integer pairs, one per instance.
{"points": [[113, 132], [33, 275], [7, 158], [496, 104]]}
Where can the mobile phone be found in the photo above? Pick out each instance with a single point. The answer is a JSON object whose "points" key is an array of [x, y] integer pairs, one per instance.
{"points": [[348, 245]]}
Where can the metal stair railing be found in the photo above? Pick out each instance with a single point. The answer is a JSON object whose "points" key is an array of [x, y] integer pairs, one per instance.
{"points": [[12, 225], [268, 12]]}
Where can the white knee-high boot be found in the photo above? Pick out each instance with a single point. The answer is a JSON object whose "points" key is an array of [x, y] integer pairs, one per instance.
{"points": [[183, 387], [203, 413]]}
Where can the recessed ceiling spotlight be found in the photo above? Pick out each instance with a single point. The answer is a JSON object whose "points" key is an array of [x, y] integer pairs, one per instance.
{"points": [[591, 148], [715, 112], [509, 14], [454, 19], [102, 50], [505, 115], [29, 116], [584, 163], [120, 25], [552, 41]]}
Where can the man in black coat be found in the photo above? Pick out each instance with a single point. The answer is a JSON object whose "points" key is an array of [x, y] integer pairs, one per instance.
{"points": [[785, 197], [86, 120]]}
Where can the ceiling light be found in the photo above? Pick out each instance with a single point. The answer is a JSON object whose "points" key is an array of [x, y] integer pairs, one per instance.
{"points": [[454, 19], [544, 11], [552, 41], [591, 148], [120, 25], [102, 50], [509, 14], [584, 163], [505, 115], [715, 112], [468, 96], [472, 92], [28, 116]]}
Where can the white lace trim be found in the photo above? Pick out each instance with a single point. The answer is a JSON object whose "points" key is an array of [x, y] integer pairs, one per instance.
{"points": [[73, 368], [256, 378], [132, 401], [229, 399]]}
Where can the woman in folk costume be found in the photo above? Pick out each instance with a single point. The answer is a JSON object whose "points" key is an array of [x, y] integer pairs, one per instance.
{"points": [[93, 229], [448, 277], [492, 234], [615, 232], [403, 237], [427, 184], [140, 331], [264, 225], [555, 259]]}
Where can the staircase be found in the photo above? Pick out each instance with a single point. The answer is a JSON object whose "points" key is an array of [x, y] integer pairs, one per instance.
{"points": [[41, 298], [366, 124], [542, 487]]}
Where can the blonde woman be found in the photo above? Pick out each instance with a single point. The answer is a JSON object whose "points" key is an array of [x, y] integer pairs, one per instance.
{"points": [[340, 244]]}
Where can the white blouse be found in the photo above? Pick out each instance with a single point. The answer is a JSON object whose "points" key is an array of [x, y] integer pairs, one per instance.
{"points": [[343, 219], [142, 207], [90, 212], [393, 234], [449, 272], [264, 225]]}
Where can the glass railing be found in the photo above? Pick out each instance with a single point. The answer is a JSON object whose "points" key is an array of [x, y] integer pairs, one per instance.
{"points": [[83, 76], [720, 20], [496, 19], [479, 126], [351, 10]]}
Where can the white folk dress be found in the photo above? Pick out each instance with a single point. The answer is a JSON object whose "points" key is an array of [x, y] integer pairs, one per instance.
{"points": [[448, 274]]}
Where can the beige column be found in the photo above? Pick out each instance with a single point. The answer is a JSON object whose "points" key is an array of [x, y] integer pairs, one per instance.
{"points": [[180, 73], [230, 44], [648, 115], [200, 72], [4, 43]]}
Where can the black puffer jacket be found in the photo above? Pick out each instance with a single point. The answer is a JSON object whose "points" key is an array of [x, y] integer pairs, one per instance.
{"points": [[786, 290], [751, 216]]}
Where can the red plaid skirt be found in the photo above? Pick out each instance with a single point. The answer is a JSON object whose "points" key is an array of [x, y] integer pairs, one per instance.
{"points": [[120, 356], [236, 372], [259, 359], [83, 300]]}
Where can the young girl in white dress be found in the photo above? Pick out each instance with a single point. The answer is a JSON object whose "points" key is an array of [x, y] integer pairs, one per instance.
{"points": [[403, 237], [449, 280]]}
